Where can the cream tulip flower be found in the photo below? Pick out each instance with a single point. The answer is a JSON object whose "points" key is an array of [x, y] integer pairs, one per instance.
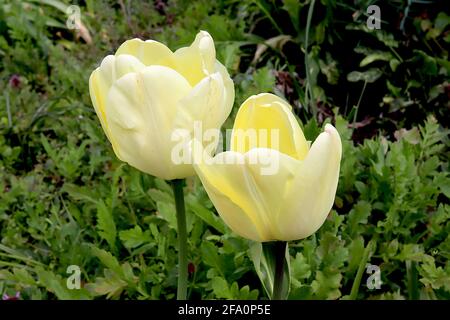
{"points": [[145, 92], [289, 204]]}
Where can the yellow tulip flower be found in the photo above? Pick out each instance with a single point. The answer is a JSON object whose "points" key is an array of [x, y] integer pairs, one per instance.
{"points": [[145, 92], [289, 203]]}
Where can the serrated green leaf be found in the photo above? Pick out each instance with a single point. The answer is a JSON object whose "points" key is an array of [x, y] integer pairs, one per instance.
{"points": [[220, 288], [57, 285], [168, 213], [326, 286], [134, 237], [106, 224], [300, 267], [111, 285], [107, 260]]}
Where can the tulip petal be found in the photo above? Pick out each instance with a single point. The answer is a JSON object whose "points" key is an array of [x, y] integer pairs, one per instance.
{"points": [[312, 194], [266, 121], [142, 107], [100, 81], [229, 91], [204, 103], [198, 60], [246, 196], [149, 52], [224, 186], [272, 174]]}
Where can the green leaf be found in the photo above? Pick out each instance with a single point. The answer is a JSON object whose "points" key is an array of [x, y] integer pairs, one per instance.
{"points": [[210, 256], [326, 286], [376, 56], [79, 193], [329, 69], [263, 258], [361, 267], [411, 136], [264, 79], [300, 267], [429, 63], [413, 252], [356, 251], [369, 76], [206, 215], [292, 7], [394, 63], [229, 55], [134, 237], [167, 212], [107, 260], [106, 224], [160, 196], [220, 288], [384, 37], [358, 215], [111, 285], [57, 285], [434, 277], [24, 277], [396, 91], [441, 22]]}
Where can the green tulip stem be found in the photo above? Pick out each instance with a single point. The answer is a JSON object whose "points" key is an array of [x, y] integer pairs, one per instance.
{"points": [[280, 259], [177, 186]]}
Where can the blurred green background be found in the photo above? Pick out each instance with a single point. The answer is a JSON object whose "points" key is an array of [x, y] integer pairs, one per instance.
{"points": [[66, 200]]}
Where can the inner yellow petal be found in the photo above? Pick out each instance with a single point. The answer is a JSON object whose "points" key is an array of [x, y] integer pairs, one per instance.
{"points": [[266, 121], [198, 60]]}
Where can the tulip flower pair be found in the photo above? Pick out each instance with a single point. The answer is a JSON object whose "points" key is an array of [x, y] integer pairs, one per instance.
{"points": [[145, 92]]}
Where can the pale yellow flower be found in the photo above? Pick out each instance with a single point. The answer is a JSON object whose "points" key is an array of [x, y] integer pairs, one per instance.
{"points": [[145, 91], [288, 204]]}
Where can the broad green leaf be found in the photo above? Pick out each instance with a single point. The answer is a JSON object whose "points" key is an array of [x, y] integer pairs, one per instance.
{"points": [[292, 7]]}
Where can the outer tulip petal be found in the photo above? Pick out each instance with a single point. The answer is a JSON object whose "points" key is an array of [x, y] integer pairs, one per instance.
{"points": [[198, 60], [259, 118], [228, 94], [226, 189], [100, 81], [149, 52], [246, 189], [312, 193], [272, 174], [142, 107]]}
